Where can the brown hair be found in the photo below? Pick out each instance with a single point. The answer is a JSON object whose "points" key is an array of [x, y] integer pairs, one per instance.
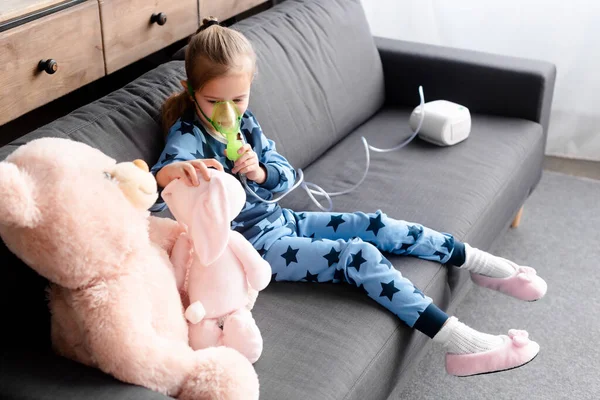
{"points": [[212, 52]]}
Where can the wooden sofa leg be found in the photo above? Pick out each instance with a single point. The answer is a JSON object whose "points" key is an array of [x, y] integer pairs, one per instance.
{"points": [[517, 220]]}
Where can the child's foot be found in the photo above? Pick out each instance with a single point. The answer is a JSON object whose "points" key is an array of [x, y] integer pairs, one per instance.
{"points": [[470, 352], [505, 276]]}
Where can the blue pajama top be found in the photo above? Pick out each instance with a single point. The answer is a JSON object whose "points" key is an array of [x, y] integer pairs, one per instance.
{"points": [[188, 139]]}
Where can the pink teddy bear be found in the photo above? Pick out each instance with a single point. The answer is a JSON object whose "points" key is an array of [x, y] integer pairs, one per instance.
{"points": [[224, 264], [80, 219]]}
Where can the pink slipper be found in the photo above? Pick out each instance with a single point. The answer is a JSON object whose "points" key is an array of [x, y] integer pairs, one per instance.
{"points": [[516, 351], [525, 284]]}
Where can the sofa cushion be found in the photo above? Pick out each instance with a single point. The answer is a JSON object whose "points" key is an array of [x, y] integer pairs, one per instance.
{"points": [[328, 341], [319, 74], [453, 189]]}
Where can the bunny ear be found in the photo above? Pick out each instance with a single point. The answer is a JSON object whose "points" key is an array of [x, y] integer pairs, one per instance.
{"points": [[210, 224], [17, 203]]}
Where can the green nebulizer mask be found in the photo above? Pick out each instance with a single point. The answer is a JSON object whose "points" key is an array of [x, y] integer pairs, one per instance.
{"points": [[226, 119]]}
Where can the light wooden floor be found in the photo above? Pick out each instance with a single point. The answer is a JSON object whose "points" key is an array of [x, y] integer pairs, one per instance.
{"points": [[587, 169]]}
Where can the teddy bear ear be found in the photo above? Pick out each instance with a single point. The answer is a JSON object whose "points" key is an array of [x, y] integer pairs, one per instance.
{"points": [[17, 203]]}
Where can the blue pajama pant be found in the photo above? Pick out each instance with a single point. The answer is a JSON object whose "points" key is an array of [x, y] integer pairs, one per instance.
{"points": [[346, 247]]}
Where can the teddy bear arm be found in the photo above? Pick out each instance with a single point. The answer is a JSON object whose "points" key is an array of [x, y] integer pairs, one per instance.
{"points": [[134, 353], [164, 232], [181, 259], [67, 338]]}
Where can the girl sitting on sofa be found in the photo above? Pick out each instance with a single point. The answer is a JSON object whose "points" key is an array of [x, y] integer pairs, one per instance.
{"points": [[327, 247]]}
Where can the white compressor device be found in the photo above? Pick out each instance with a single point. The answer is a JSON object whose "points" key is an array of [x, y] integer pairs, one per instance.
{"points": [[445, 123]]}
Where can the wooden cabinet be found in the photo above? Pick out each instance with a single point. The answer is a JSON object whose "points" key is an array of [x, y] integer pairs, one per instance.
{"points": [[71, 44], [133, 29], [49, 48], [223, 9]]}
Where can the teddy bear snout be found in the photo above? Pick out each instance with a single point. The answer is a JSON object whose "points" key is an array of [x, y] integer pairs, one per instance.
{"points": [[141, 164]]}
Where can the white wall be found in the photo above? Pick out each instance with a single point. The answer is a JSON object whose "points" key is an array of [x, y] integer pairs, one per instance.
{"points": [[566, 33]]}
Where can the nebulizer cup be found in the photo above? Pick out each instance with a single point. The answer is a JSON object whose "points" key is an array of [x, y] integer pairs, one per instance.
{"points": [[226, 119]]}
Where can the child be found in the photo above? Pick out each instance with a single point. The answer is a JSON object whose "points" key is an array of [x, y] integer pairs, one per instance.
{"points": [[327, 247]]}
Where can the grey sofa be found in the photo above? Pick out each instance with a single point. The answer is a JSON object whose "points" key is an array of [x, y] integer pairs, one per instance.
{"points": [[323, 82]]}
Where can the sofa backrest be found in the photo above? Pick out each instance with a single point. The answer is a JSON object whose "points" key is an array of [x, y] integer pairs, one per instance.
{"points": [[319, 74]]}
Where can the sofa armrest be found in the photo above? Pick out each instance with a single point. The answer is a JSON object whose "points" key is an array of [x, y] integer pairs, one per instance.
{"points": [[485, 83], [43, 375]]}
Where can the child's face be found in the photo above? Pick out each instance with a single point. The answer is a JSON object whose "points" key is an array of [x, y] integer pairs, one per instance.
{"points": [[234, 86]]}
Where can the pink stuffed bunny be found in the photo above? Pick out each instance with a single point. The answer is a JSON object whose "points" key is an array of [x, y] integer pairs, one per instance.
{"points": [[224, 264], [79, 219]]}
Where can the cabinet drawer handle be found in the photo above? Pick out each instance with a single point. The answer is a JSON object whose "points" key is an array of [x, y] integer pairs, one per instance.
{"points": [[49, 66], [160, 18]]}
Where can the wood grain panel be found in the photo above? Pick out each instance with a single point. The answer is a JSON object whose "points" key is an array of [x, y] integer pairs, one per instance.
{"points": [[129, 35], [224, 9], [72, 37]]}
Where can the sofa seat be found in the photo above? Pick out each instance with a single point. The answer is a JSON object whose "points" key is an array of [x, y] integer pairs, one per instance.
{"points": [[309, 327]]}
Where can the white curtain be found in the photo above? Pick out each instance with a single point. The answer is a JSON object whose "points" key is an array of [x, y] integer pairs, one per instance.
{"points": [[566, 33]]}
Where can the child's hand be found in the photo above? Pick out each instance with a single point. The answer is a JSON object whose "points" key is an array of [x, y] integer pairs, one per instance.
{"points": [[248, 165], [187, 170]]}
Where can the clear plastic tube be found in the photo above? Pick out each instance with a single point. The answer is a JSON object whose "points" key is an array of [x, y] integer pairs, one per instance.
{"points": [[319, 191]]}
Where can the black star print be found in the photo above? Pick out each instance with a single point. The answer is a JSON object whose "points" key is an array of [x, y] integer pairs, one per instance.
{"points": [[253, 231], [290, 256], [406, 246], [198, 155], [273, 277], [313, 239], [440, 255], [262, 252], [388, 290], [208, 151], [266, 230], [414, 231], [448, 244], [336, 220], [187, 128], [385, 261], [311, 277], [301, 216], [274, 216], [339, 275], [169, 157], [333, 257], [419, 292], [375, 224], [357, 260]]}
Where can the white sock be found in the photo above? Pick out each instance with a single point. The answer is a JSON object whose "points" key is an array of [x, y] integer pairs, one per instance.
{"points": [[458, 338], [483, 263]]}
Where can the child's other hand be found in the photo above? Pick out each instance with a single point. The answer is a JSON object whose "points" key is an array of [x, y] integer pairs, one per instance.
{"points": [[248, 165], [187, 170]]}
